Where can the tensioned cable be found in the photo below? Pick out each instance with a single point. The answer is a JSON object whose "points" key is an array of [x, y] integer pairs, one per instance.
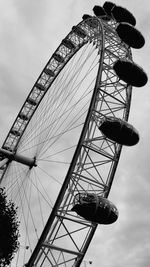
{"points": [[22, 208], [58, 121], [62, 133], [40, 133], [55, 161], [54, 93], [39, 200], [60, 151], [49, 201], [27, 223], [55, 136], [44, 141]]}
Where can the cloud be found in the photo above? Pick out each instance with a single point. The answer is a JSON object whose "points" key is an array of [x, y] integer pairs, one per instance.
{"points": [[30, 32]]}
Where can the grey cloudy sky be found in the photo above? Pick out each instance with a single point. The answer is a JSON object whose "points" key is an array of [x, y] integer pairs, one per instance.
{"points": [[30, 31]]}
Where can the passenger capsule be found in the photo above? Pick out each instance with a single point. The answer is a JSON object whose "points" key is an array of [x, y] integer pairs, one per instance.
{"points": [[23, 116], [130, 35], [119, 131], [99, 11], [40, 86], [68, 43], [86, 16], [108, 6], [49, 72], [121, 14], [130, 73], [32, 101], [95, 208], [58, 58], [80, 32]]}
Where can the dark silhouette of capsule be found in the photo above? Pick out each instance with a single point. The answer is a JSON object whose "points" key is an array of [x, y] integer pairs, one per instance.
{"points": [[68, 43], [32, 101], [95, 208], [79, 31], [49, 72], [23, 116], [58, 57], [130, 35], [121, 14], [108, 6], [99, 11], [86, 16], [40, 86], [130, 73], [119, 131]]}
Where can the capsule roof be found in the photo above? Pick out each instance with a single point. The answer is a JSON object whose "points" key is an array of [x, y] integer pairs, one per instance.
{"points": [[99, 11], [119, 131], [130, 73], [68, 43], [86, 16], [108, 6], [121, 14], [130, 35], [79, 31]]}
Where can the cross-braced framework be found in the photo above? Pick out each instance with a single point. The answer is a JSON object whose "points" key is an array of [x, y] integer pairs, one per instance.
{"points": [[84, 59]]}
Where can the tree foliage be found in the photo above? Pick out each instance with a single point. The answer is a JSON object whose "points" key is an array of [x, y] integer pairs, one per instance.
{"points": [[9, 229]]}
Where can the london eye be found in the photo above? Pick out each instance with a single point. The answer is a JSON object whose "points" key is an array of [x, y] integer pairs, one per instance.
{"points": [[59, 159]]}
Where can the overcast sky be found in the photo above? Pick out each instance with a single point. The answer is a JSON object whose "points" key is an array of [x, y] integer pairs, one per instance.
{"points": [[30, 31]]}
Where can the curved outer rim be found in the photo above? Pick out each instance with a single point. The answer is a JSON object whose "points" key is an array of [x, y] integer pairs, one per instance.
{"points": [[63, 189], [114, 166], [60, 66], [72, 165]]}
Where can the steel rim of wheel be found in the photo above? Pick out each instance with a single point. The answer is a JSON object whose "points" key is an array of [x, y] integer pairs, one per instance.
{"points": [[50, 133]]}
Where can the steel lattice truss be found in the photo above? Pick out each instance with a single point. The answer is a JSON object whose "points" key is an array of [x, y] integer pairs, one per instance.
{"points": [[95, 160]]}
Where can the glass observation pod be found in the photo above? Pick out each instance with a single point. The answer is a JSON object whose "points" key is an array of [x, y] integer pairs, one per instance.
{"points": [[119, 131], [130, 73], [86, 16], [78, 31], [95, 208], [31, 101], [49, 72], [40, 86], [130, 35], [68, 43], [108, 6], [58, 58], [23, 116], [100, 12], [121, 14]]}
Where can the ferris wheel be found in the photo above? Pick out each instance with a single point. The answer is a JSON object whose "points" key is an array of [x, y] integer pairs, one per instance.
{"points": [[60, 156]]}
